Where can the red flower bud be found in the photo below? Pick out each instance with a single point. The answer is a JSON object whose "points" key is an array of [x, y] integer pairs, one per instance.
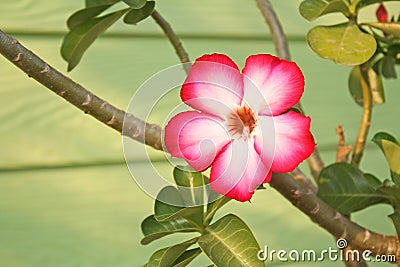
{"points": [[381, 13]]}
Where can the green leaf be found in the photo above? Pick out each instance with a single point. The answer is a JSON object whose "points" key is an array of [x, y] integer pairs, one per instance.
{"points": [[388, 68], [170, 205], [135, 4], [153, 229], [90, 3], [136, 15], [312, 9], [392, 28], [347, 189], [191, 185], [344, 43], [374, 84], [78, 40], [84, 15], [187, 257], [167, 256], [229, 242], [396, 221], [390, 147], [364, 3], [393, 191]]}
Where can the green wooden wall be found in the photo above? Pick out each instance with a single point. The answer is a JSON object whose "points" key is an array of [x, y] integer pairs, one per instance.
{"points": [[66, 196]]}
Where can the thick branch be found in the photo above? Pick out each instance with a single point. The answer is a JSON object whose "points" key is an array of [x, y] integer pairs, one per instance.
{"points": [[282, 49], [331, 220], [173, 38], [365, 120], [77, 95]]}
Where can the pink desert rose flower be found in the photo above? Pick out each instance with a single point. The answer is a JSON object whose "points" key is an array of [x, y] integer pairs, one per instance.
{"points": [[241, 125]]}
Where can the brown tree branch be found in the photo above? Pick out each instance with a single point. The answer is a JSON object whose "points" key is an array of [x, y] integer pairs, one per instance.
{"points": [[342, 151], [173, 38], [302, 197], [365, 119], [282, 49], [77, 95], [331, 220]]}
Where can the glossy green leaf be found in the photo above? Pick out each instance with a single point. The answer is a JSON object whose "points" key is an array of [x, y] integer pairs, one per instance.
{"points": [[91, 3], [136, 15], [347, 189], [392, 28], [229, 242], [390, 147], [135, 4], [167, 256], [170, 205], [374, 83], [312, 9], [153, 229], [364, 3], [344, 43], [84, 15], [388, 67], [187, 257], [78, 40], [191, 185], [392, 190], [396, 221]]}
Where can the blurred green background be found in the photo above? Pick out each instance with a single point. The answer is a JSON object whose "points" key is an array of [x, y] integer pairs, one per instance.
{"points": [[66, 195]]}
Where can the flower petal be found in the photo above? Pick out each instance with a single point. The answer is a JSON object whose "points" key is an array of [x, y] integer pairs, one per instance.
{"points": [[293, 140], [238, 170], [214, 85], [201, 139], [280, 82], [173, 128]]}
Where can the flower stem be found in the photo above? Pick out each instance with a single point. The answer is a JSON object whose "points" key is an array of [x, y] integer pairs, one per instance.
{"points": [[282, 49], [173, 38], [365, 119]]}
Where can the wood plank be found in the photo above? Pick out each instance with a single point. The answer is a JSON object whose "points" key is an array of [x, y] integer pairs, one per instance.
{"points": [[206, 17]]}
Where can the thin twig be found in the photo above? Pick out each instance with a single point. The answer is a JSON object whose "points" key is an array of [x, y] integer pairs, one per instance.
{"points": [[342, 151], [365, 119], [282, 49], [173, 38], [304, 198]]}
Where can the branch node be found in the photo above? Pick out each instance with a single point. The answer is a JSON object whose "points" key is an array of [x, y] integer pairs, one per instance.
{"points": [[46, 69], [315, 210], [103, 105], [338, 216], [137, 133], [14, 42], [367, 236], [17, 58], [88, 100], [111, 121]]}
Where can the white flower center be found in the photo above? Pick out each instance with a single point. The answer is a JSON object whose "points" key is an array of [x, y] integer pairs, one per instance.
{"points": [[242, 122]]}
